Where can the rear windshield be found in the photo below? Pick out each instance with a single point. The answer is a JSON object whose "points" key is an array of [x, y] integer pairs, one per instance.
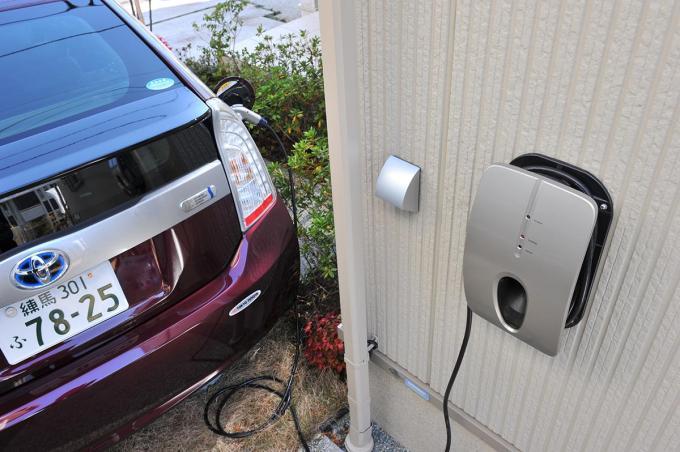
{"points": [[66, 59]]}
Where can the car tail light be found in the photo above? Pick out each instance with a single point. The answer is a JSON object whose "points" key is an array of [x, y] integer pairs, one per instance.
{"points": [[250, 183]]}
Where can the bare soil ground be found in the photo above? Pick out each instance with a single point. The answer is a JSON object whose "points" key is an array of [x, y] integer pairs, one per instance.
{"points": [[318, 396]]}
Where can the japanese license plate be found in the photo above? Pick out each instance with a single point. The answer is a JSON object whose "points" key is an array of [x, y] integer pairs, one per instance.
{"points": [[37, 323]]}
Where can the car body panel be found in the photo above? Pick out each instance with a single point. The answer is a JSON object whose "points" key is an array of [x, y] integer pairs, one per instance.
{"points": [[154, 275], [163, 360]]}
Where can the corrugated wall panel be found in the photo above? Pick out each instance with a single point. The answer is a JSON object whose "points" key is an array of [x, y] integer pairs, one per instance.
{"points": [[391, 99], [455, 86]]}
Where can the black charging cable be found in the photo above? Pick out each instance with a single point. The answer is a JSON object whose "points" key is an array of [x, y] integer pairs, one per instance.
{"points": [[454, 374], [291, 182], [262, 383]]}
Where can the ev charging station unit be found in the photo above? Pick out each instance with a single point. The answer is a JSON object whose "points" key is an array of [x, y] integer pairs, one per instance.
{"points": [[535, 236]]}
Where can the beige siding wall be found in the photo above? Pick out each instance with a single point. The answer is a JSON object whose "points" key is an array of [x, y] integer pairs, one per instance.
{"points": [[454, 86]]}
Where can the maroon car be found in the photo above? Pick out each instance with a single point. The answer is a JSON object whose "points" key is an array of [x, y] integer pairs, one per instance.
{"points": [[143, 245]]}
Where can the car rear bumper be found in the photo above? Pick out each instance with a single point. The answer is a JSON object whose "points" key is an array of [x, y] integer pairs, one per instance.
{"points": [[121, 386]]}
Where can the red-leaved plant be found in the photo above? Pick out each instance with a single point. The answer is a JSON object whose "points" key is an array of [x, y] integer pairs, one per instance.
{"points": [[323, 347]]}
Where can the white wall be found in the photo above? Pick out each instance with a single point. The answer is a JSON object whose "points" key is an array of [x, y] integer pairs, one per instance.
{"points": [[454, 86]]}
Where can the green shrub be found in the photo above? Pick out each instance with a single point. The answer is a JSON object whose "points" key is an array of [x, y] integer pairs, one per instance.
{"points": [[288, 80], [309, 162], [287, 77], [223, 24]]}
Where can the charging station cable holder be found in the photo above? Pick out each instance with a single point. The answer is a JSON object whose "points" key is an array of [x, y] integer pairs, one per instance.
{"points": [[584, 181], [534, 239], [399, 184]]}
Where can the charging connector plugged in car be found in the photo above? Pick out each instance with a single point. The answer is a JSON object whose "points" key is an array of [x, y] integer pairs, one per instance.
{"points": [[239, 92]]}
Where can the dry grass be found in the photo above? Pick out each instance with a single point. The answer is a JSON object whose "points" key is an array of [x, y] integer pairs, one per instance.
{"points": [[318, 396]]}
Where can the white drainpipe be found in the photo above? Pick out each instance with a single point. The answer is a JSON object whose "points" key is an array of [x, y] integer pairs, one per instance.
{"points": [[338, 39]]}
